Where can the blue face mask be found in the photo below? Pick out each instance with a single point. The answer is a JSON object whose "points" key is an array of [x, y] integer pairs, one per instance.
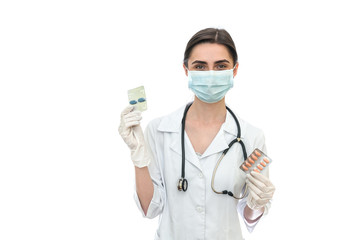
{"points": [[211, 86]]}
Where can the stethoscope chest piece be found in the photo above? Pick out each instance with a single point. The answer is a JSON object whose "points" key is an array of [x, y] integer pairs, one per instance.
{"points": [[183, 184]]}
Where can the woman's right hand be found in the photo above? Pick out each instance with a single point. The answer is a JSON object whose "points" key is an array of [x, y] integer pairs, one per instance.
{"points": [[132, 134]]}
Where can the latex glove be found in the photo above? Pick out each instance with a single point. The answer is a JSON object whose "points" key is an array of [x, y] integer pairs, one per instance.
{"points": [[261, 190], [132, 134]]}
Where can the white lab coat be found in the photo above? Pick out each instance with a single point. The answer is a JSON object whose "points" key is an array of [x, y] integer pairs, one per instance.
{"points": [[198, 213]]}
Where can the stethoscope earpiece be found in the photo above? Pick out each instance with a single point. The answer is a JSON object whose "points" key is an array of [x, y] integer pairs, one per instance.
{"points": [[183, 184]]}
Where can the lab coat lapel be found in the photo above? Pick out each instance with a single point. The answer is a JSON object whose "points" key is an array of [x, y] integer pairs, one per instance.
{"points": [[221, 141], [172, 124], [219, 144], [230, 125], [190, 154]]}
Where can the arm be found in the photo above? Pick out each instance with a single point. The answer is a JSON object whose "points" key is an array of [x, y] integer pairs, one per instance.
{"points": [[250, 212], [256, 204], [149, 195], [261, 191], [144, 187], [252, 216]]}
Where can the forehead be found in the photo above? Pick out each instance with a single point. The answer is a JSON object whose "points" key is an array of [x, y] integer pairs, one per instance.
{"points": [[210, 52]]}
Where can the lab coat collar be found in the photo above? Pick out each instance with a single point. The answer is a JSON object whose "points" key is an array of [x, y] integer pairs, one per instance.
{"points": [[220, 143], [230, 124], [172, 123]]}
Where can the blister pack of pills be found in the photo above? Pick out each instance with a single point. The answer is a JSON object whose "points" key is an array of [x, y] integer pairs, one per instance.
{"points": [[257, 161], [137, 98]]}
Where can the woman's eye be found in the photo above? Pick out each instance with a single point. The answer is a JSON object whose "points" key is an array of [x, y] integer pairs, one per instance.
{"points": [[199, 67], [221, 66]]}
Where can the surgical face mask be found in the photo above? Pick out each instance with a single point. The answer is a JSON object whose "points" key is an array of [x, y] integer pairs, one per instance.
{"points": [[210, 86]]}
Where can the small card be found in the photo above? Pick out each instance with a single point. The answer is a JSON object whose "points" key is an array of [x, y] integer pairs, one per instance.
{"points": [[137, 98]]}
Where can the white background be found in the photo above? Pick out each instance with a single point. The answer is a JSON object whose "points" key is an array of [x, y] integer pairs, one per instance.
{"points": [[65, 67]]}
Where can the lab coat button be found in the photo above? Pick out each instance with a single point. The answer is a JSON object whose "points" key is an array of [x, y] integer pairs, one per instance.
{"points": [[199, 209], [201, 175]]}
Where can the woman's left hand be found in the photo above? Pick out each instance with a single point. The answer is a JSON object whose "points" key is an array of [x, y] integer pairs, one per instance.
{"points": [[261, 190]]}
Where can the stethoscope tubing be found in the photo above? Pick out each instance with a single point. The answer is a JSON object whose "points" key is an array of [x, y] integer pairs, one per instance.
{"points": [[183, 184], [226, 191]]}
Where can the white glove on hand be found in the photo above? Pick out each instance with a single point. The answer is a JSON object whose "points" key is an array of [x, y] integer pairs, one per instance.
{"points": [[261, 190], [132, 134]]}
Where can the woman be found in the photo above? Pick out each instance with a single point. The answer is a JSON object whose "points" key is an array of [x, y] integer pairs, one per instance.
{"points": [[190, 208]]}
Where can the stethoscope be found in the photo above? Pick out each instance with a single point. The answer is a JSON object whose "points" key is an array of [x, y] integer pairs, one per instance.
{"points": [[183, 183]]}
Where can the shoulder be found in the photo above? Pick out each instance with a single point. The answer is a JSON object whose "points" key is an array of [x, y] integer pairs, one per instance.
{"points": [[168, 123], [250, 133], [250, 130], [253, 135]]}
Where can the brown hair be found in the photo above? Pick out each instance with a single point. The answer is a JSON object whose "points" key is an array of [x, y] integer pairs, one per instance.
{"points": [[211, 35]]}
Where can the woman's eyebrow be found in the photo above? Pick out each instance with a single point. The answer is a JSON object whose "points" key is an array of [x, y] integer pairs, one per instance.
{"points": [[222, 61], [198, 61]]}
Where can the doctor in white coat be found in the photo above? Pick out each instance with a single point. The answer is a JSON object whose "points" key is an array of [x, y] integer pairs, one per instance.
{"points": [[210, 62]]}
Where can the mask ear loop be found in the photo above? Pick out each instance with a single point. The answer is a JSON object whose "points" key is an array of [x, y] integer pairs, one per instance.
{"points": [[234, 69]]}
